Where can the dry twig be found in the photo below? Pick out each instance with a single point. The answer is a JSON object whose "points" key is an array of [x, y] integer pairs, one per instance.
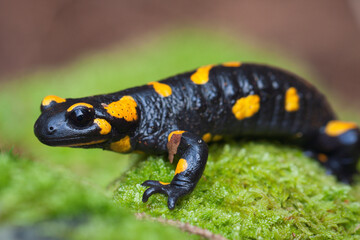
{"points": [[186, 227]]}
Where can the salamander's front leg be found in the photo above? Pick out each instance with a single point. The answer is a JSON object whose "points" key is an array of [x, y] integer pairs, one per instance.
{"points": [[193, 152]]}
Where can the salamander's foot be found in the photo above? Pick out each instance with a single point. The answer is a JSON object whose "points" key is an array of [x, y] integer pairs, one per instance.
{"points": [[174, 192]]}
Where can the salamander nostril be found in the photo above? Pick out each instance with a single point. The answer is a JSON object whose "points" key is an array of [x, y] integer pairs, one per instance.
{"points": [[51, 130]]}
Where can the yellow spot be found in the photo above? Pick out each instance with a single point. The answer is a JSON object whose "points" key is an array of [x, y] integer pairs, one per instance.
{"points": [[291, 100], [124, 108], [201, 76], [232, 64], [174, 132], [322, 157], [164, 183], [86, 144], [217, 138], [207, 137], [48, 99], [246, 107], [122, 146], [162, 89], [104, 125], [79, 104], [181, 166], [336, 128]]}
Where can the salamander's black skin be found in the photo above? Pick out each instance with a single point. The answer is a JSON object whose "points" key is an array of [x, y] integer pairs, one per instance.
{"points": [[180, 114]]}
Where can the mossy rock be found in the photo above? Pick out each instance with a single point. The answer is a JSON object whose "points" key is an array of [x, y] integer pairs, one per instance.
{"points": [[38, 202], [253, 190]]}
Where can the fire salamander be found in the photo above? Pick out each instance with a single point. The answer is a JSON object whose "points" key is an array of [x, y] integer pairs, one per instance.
{"points": [[181, 114]]}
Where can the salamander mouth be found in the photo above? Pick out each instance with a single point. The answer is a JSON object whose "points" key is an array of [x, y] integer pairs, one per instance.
{"points": [[60, 135], [72, 142]]}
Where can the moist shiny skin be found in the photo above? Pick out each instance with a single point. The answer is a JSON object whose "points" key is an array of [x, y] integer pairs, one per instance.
{"points": [[180, 114], [208, 108]]}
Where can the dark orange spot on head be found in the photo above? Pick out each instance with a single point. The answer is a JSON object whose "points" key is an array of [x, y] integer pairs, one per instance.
{"points": [[201, 76], [124, 108], [48, 99], [103, 125], [79, 104], [335, 128]]}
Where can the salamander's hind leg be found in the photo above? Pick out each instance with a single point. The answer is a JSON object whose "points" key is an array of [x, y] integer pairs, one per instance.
{"points": [[193, 153], [338, 149]]}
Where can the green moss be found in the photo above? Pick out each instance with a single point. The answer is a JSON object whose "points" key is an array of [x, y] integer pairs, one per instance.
{"points": [[253, 190], [48, 202]]}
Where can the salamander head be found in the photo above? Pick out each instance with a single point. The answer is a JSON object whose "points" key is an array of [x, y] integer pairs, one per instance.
{"points": [[84, 122]]}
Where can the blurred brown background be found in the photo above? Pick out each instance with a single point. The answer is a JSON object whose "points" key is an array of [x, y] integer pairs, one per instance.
{"points": [[324, 33]]}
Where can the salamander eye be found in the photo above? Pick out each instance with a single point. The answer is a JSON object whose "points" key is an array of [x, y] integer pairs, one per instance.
{"points": [[81, 116]]}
